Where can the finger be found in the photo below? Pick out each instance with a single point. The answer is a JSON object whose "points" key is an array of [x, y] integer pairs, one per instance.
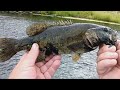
{"points": [[54, 67], [105, 48], [106, 64], [39, 64], [118, 59], [100, 46], [39, 74], [49, 63], [107, 55], [47, 75], [32, 55], [21, 60], [118, 44], [49, 57], [23, 57]]}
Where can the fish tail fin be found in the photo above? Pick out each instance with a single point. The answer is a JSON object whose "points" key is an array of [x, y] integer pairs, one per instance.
{"points": [[7, 48]]}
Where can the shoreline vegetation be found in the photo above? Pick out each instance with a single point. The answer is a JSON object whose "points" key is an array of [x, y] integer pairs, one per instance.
{"points": [[110, 17], [84, 19]]}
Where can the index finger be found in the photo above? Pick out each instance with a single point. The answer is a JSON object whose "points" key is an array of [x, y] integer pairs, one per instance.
{"points": [[45, 67], [53, 68], [106, 48], [118, 44]]}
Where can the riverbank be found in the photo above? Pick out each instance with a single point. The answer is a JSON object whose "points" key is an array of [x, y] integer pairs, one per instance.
{"points": [[76, 18], [107, 16]]}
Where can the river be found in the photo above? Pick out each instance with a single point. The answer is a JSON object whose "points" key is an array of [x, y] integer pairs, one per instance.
{"points": [[15, 27]]}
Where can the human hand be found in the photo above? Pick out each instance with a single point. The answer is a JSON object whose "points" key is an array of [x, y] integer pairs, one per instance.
{"points": [[108, 62], [28, 69]]}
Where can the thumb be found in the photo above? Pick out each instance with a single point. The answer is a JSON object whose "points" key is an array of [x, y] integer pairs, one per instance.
{"points": [[32, 55]]}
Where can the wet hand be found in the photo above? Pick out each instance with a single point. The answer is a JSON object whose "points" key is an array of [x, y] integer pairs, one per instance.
{"points": [[28, 69], [108, 62]]}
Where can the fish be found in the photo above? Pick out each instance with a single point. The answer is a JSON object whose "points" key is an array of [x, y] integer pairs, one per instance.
{"points": [[55, 39]]}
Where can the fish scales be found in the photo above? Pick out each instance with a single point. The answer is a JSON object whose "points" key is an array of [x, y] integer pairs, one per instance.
{"points": [[77, 38]]}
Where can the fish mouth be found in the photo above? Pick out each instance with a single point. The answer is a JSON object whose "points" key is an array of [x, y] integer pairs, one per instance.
{"points": [[113, 38]]}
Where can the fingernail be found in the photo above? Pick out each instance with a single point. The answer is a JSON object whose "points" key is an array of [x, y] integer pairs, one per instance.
{"points": [[35, 46]]}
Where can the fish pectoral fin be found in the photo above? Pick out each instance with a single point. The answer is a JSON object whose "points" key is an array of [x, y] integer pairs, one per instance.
{"points": [[75, 57]]}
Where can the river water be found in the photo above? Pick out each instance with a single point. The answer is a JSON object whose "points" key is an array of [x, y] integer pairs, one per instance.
{"points": [[15, 27]]}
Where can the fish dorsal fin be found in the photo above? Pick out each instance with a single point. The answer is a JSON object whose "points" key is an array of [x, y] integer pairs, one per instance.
{"points": [[62, 23], [37, 28]]}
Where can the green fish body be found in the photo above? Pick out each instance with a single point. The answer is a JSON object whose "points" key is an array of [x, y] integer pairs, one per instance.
{"points": [[75, 38]]}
